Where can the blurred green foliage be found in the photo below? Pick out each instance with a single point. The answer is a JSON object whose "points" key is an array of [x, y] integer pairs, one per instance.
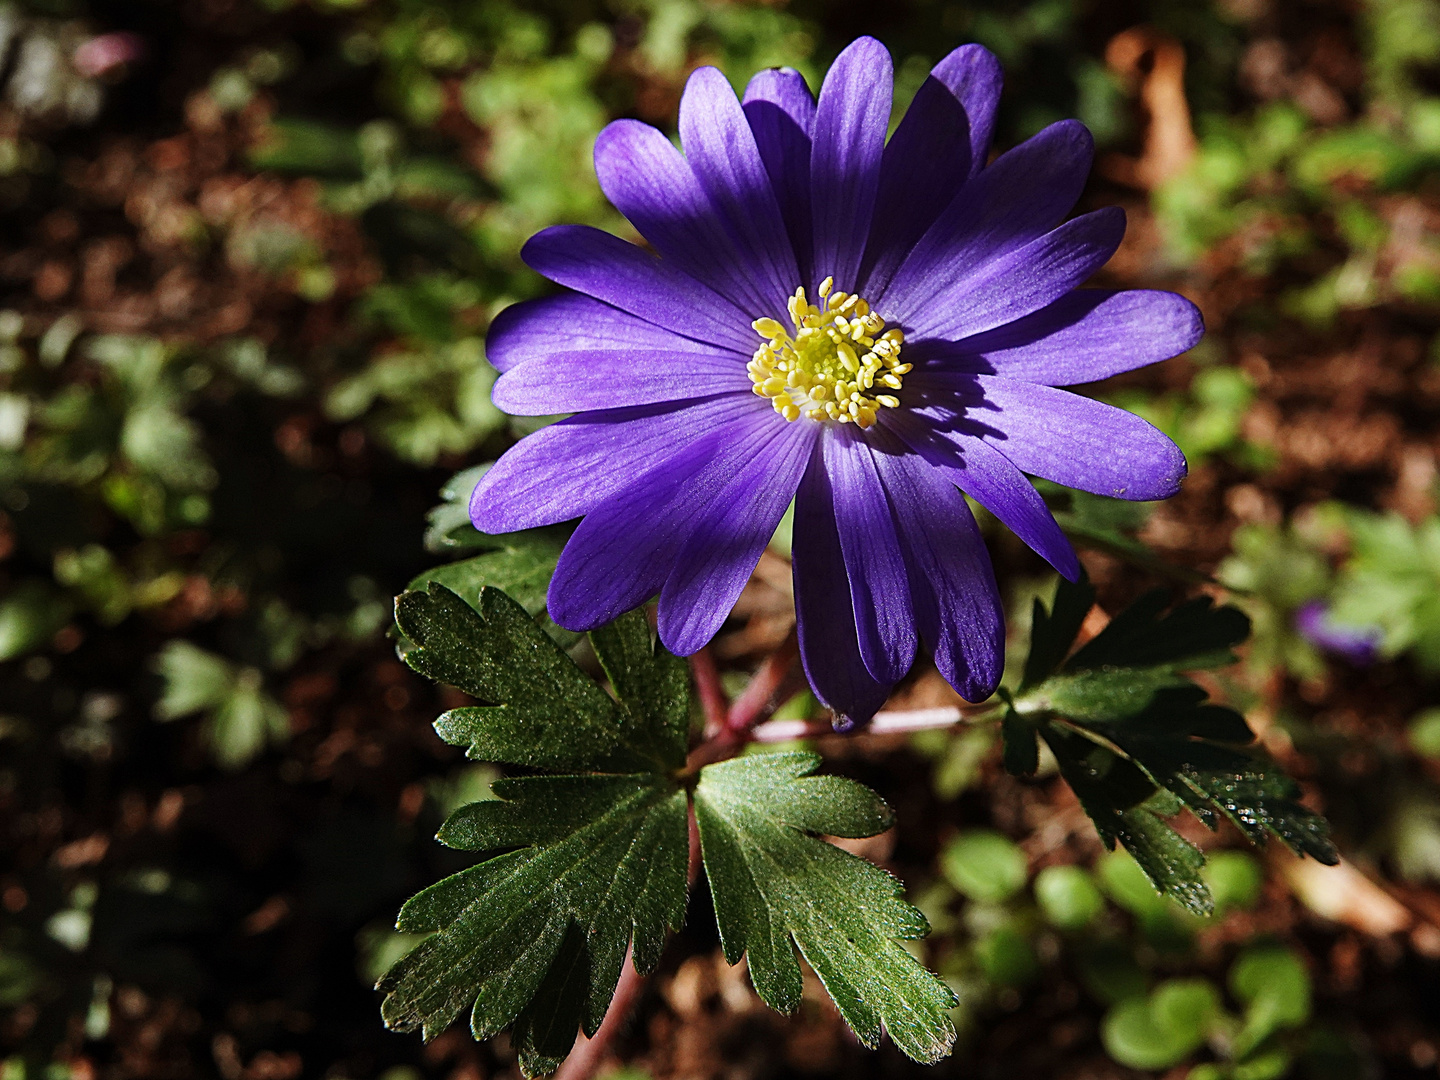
{"points": [[194, 525], [1373, 571]]}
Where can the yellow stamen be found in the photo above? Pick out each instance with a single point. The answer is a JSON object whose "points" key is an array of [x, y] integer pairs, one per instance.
{"points": [[835, 357]]}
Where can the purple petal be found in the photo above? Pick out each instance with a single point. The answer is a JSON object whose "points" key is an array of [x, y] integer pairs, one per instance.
{"points": [[570, 322], [609, 269], [1023, 194], [1063, 437], [721, 149], [829, 649], [648, 181], [879, 588], [1360, 645], [739, 519], [991, 479], [957, 603], [1085, 336], [781, 111], [940, 144], [567, 469], [583, 381], [1018, 283], [848, 141], [625, 548]]}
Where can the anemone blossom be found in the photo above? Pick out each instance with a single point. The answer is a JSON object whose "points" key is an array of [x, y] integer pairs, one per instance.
{"points": [[873, 329]]}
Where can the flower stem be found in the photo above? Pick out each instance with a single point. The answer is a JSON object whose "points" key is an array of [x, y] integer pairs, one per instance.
{"points": [[885, 723], [714, 702], [756, 700], [587, 1055]]}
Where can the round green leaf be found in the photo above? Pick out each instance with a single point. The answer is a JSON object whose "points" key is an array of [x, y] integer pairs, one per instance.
{"points": [[1274, 986], [1126, 884], [984, 865], [1185, 1007], [1163, 1030], [1235, 879], [1068, 896], [1132, 1038], [1425, 733], [1272, 1064], [1007, 957]]}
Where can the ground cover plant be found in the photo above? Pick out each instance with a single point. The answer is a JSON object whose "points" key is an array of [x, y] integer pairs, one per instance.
{"points": [[273, 344]]}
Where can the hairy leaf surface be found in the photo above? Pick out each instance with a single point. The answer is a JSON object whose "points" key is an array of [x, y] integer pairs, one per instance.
{"points": [[773, 882], [584, 865]]}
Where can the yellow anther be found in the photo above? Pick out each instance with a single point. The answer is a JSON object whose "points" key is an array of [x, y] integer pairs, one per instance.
{"points": [[828, 368]]}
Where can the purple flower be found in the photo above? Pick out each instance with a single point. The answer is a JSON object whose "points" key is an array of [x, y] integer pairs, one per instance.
{"points": [[869, 328], [1358, 644]]}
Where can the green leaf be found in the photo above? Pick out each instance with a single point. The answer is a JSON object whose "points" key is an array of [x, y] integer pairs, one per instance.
{"points": [[1274, 986], [1180, 743], [194, 679], [1193, 635], [1235, 879], [1136, 739], [540, 709], [584, 865], [1164, 1029], [448, 525], [1053, 632], [1007, 956], [773, 882], [1022, 748], [984, 865], [536, 938], [520, 563], [1068, 896], [652, 688], [29, 616], [240, 717], [1116, 794], [307, 147]]}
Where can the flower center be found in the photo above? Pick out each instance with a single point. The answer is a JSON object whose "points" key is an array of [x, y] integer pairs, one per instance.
{"points": [[831, 368]]}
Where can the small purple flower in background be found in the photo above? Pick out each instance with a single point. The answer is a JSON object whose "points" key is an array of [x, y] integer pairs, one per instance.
{"points": [[1358, 644], [868, 327]]}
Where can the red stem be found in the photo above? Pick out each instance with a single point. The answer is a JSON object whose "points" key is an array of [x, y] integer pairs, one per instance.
{"points": [[755, 702], [714, 702], [587, 1055]]}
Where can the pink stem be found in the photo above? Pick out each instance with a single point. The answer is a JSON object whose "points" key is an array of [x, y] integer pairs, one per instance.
{"points": [[885, 723], [587, 1055], [755, 701], [713, 700]]}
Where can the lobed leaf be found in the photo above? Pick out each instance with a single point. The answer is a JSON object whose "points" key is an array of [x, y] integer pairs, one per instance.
{"points": [[1137, 741], [541, 710], [773, 883], [536, 938], [586, 865], [521, 564]]}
